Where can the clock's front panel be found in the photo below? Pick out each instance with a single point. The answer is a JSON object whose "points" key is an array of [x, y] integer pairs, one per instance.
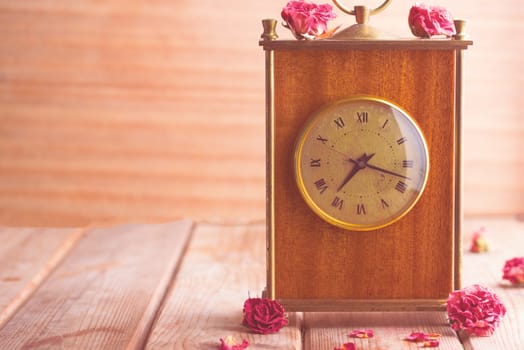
{"points": [[411, 258]]}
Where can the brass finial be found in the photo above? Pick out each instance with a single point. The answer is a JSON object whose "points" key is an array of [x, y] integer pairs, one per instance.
{"points": [[460, 28], [350, 11], [361, 30], [270, 32], [362, 14]]}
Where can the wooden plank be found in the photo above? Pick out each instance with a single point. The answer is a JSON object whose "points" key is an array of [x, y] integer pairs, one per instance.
{"points": [[327, 330], [27, 257], [506, 241], [223, 265], [105, 294]]}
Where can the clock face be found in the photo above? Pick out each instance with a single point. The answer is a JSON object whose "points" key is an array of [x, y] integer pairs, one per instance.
{"points": [[361, 163]]}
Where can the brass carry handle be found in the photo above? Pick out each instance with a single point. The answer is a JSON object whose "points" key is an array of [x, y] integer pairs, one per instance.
{"points": [[349, 11]]}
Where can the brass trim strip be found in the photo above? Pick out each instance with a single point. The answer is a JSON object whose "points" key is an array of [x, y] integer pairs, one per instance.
{"points": [[459, 181], [309, 305], [356, 44], [270, 173]]}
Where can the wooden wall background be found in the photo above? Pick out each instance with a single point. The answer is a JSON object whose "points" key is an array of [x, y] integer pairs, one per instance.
{"points": [[154, 110]]}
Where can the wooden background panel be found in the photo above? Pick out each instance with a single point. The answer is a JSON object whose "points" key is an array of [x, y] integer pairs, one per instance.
{"points": [[137, 110], [130, 111]]}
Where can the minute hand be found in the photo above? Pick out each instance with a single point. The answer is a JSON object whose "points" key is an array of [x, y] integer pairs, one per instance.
{"points": [[371, 166]]}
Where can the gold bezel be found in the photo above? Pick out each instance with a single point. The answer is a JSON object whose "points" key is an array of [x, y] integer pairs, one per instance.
{"points": [[299, 178]]}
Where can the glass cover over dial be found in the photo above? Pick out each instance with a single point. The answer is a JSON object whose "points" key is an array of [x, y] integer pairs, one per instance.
{"points": [[361, 163]]}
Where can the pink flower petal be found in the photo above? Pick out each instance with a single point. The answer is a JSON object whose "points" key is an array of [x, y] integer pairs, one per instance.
{"points": [[419, 337], [431, 344], [362, 333], [229, 343], [416, 337], [347, 346]]}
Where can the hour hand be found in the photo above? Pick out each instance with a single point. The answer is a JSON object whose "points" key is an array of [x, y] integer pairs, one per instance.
{"points": [[360, 164]]}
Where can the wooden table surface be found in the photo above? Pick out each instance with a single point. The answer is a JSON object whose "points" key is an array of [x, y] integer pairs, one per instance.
{"points": [[181, 285]]}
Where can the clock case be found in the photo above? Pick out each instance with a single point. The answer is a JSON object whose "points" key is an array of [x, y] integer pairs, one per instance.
{"points": [[412, 264]]}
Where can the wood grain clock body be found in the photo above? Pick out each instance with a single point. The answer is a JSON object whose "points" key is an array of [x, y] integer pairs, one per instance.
{"points": [[412, 262]]}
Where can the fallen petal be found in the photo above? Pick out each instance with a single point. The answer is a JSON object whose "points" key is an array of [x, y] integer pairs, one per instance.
{"points": [[229, 343], [362, 333]]}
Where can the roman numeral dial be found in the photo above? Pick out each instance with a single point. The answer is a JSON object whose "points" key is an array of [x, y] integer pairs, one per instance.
{"points": [[361, 163]]}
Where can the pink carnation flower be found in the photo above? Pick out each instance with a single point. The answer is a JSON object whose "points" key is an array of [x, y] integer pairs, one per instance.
{"points": [[514, 270], [426, 21], [475, 309], [307, 20]]}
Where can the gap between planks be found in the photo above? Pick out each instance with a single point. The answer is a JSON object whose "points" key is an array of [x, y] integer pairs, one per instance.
{"points": [[40, 274], [223, 266], [505, 238], [198, 299], [139, 338], [105, 293]]}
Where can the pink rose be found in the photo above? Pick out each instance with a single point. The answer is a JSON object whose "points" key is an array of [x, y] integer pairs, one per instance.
{"points": [[264, 316], [426, 21], [514, 270], [475, 309], [306, 19]]}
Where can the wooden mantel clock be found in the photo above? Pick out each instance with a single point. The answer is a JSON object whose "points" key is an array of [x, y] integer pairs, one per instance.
{"points": [[363, 170]]}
